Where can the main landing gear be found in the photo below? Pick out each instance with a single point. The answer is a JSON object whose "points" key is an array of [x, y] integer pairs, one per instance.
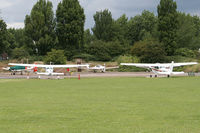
{"points": [[151, 76]]}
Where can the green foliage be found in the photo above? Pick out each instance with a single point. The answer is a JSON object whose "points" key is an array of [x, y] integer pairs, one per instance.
{"points": [[104, 51], [55, 57], [4, 44], [19, 37], [168, 25], [20, 53], [149, 51], [139, 25], [39, 27], [99, 50], [103, 28], [186, 30], [70, 26], [88, 37], [127, 59], [86, 57], [185, 52], [179, 59], [121, 28]]}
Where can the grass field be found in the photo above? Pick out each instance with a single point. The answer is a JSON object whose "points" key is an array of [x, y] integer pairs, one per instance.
{"points": [[100, 105]]}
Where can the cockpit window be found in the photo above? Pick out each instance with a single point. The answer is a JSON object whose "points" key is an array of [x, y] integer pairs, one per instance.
{"points": [[156, 67]]}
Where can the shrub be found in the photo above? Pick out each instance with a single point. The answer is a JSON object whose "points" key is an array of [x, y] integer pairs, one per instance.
{"points": [[20, 53], [86, 57], [185, 52], [127, 59], [99, 50], [149, 51], [55, 56]]}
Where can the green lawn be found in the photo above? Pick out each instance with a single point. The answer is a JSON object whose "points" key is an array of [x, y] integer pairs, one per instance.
{"points": [[100, 105]]}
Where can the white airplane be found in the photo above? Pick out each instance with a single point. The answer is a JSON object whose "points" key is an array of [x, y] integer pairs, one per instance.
{"points": [[161, 68], [49, 68], [101, 68]]}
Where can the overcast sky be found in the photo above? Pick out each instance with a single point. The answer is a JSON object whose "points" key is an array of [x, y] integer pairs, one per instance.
{"points": [[13, 12]]}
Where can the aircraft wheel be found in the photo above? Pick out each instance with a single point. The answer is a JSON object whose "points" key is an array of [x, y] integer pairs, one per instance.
{"points": [[168, 76], [156, 76], [13, 73], [150, 76]]}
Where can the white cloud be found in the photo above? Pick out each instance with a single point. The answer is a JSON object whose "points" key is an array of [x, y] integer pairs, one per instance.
{"points": [[15, 25]]}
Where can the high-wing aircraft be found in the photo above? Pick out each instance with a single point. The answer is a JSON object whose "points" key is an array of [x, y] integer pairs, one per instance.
{"points": [[101, 68], [161, 68], [20, 69], [49, 68]]}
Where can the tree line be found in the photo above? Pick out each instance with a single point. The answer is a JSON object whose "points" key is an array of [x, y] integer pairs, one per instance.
{"points": [[144, 37]]}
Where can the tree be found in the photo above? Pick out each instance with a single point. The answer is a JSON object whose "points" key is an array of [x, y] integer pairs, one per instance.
{"points": [[103, 28], [186, 31], [99, 50], [149, 51], [40, 27], [4, 44], [70, 26], [55, 56], [122, 24], [168, 25], [20, 53], [140, 25], [88, 37]]}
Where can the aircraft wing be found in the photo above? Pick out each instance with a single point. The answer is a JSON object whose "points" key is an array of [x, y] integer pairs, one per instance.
{"points": [[44, 66], [142, 65], [184, 64]]}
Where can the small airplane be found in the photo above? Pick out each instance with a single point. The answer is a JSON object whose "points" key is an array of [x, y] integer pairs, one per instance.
{"points": [[101, 68], [161, 68], [49, 68], [21, 69]]}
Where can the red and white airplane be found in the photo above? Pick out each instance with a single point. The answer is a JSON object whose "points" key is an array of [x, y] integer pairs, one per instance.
{"points": [[161, 68], [49, 68]]}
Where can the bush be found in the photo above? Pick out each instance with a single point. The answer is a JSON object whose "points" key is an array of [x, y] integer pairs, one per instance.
{"points": [[149, 51], [169, 59], [127, 59], [99, 50], [86, 57], [104, 51], [20, 53], [56, 57], [185, 52]]}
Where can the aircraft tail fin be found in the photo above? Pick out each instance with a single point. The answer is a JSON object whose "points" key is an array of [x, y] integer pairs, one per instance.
{"points": [[172, 67]]}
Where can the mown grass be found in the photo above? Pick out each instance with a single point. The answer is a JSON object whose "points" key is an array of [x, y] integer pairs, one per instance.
{"points": [[100, 105]]}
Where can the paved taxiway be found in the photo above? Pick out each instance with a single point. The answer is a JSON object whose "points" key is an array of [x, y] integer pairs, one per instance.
{"points": [[82, 75]]}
